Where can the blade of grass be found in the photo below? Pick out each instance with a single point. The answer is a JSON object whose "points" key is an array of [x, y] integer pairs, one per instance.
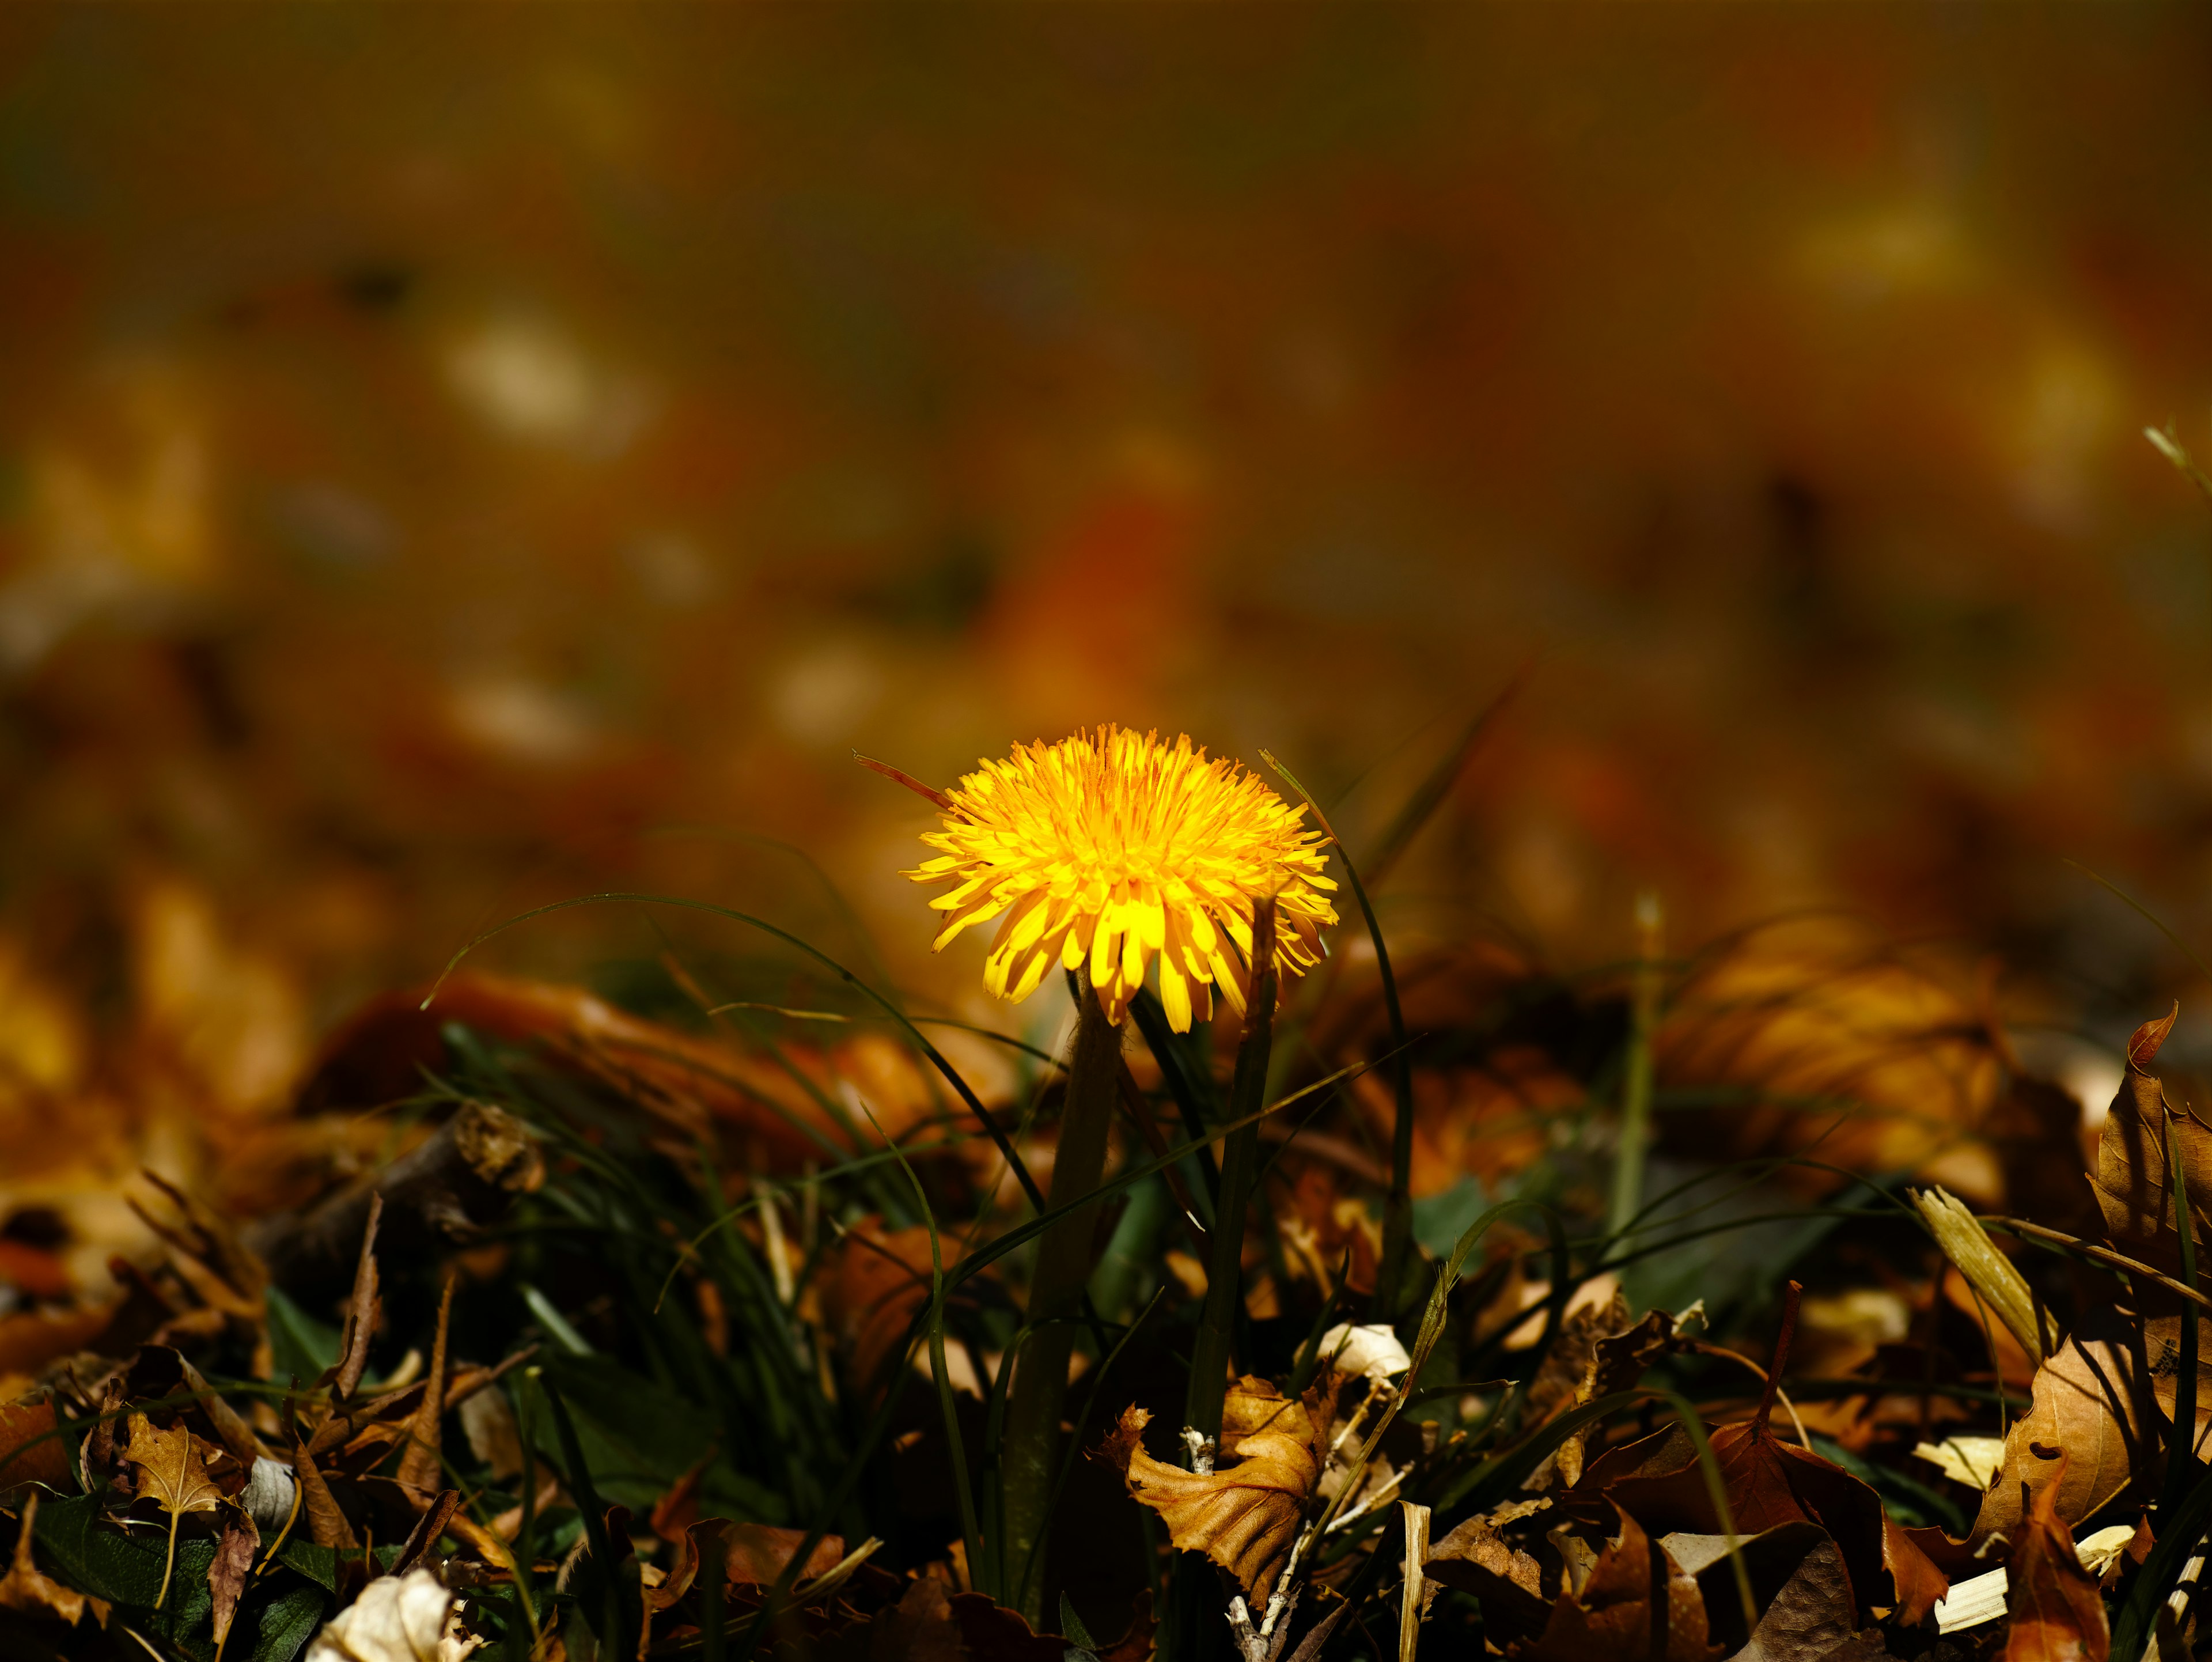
{"points": [[952, 1077], [2181, 1465], [1075, 1442], [1636, 1073], [970, 1535], [1398, 1209], [1430, 794], [580, 1488], [2179, 1534]]}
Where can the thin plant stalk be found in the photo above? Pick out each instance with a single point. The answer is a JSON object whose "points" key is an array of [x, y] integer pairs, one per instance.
{"points": [[979, 1573], [1636, 1073], [1240, 1159], [1398, 1209], [1063, 1270]]}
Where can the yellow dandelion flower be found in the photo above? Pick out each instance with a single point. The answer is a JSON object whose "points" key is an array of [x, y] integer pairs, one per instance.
{"points": [[1110, 849]]}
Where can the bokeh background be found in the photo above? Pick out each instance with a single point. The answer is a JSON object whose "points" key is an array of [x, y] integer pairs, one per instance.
{"points": [[455, 458]]}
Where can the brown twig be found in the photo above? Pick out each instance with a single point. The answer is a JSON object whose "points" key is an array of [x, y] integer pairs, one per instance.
{"points": [[2103, 1254]]}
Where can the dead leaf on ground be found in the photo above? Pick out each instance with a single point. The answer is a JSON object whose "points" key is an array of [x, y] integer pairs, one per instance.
{"points": [[2162, 1352], [1798, 1584], [1244, 1516], [877, 1280], [363, 1311], [2090, 1400], [233, 1558], [1507, 1581], [327, 1525], [30, 1452], [1769, 1483], [176, 1477], [2058, 1613], [25, 1589], [423, 1466], [2135, 1190], [758, 1552], [1617, 1616]]}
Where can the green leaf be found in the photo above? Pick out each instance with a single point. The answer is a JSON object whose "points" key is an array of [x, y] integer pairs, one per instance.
{"points": [[302, 1345], [282, 1626], [319, 1564]]}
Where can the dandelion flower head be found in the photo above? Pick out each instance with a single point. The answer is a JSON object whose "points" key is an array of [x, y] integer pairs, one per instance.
{"points": [[1110, 849]]}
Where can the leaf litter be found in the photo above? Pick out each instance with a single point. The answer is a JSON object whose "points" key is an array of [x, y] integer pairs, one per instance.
{"points": [[627, 1337]]}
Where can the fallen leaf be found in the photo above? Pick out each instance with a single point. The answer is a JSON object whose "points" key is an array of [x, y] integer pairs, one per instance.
{"points": [[326, 1523], [30, 1452], [1973, 1461], [676, 1512], [1768, 1483], [877, 1280], [423, 1466], [176, 1477], [2058, 1613], [23, 1588], [1364, 1353], [2162, 1352], [2134, 1189], [758, 1552], [427, 1528], [488, 1422], [398, 1618], [1615, 1616], [2090, 1399], [1243, 1516], [1798, 1584], [363, 1311], [233, 1558], [1477, 1558]]}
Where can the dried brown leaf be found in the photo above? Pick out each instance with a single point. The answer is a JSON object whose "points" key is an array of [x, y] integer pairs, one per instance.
{"points": [[1243, 1516], [2135, 1190], [363, 1310], [176, 1477], [25, 1589], [326, 1523], [30, 1452], [1799, 1587], [233, 1558], [1618, 1614], [423, 1466], [2058, 1613], [1477, 1558], [2090, 1400]]}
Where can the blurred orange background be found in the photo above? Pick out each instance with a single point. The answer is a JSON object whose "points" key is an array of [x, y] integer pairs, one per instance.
{"points": [[455, 458]]}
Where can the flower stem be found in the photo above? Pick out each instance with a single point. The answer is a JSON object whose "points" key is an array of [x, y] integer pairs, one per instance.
{"points": [[1239, 1160], [1064, 1263]]}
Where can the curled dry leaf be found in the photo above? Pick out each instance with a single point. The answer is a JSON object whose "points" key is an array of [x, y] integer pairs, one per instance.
{"points": [[2058, 1613], [398, 1618], [1243, 1516], [2135, 1190], [1617, 1615], [25, 1589], [1508, 1581], [176, 1476], [2090, 1400], [234, 1557]]}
